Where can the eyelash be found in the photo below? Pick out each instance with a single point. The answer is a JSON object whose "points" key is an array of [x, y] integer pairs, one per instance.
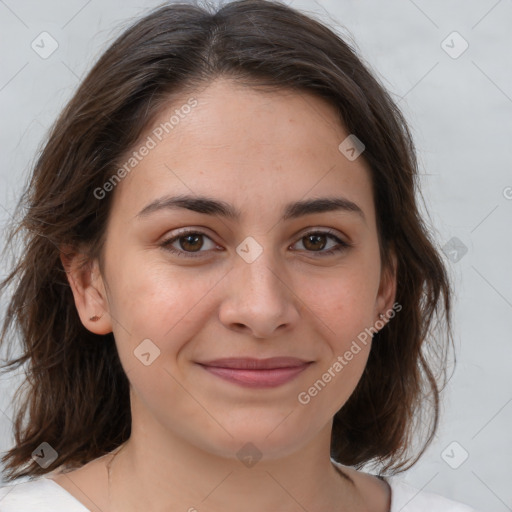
{"points": [[166, 244]]}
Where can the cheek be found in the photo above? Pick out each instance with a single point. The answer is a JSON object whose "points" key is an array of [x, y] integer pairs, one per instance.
{"points": [[349, 304], [337, 374], [347, 344], [343, 301], [156, 303]]}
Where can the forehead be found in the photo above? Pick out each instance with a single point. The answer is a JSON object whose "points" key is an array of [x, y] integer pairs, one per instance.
{"points": [[249, 147]]}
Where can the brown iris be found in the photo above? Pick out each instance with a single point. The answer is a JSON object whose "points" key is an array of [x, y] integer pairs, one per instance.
{"points": [[191, 242], [316, 239]]}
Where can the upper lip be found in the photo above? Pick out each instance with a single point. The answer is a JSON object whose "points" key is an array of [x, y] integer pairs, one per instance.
{"points": [[249, 363]]}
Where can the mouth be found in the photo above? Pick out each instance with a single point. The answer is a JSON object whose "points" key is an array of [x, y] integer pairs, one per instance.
{"points": [[257, 373]]}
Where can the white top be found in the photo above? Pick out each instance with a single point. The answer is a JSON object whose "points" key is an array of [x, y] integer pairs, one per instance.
{"points": [[44, 495]]}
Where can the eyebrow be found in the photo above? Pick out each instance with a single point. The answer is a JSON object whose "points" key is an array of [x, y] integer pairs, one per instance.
{"points": [[210, 206]]}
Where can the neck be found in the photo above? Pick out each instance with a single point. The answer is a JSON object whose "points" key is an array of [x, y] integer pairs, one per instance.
{"points": [[301, 481]]}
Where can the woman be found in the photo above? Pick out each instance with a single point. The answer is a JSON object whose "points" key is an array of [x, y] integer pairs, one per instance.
{"points": [[226, 289]]}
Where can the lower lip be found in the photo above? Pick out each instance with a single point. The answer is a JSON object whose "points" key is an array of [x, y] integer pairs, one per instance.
{"points": [[257, 378]]}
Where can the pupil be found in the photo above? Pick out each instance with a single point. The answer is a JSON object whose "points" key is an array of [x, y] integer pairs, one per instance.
{"points": [[195, 238], [315, 239]]}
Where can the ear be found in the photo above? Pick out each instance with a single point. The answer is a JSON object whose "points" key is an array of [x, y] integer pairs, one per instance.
{"points": [[387, 289], [88, 289]]}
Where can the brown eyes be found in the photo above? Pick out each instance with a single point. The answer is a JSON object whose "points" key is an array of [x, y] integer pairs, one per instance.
{"points": [[192, 241]]}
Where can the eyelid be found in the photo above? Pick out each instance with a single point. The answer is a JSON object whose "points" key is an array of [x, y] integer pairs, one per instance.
{"points": [[323, 231], [166, 244], [342, 244]]}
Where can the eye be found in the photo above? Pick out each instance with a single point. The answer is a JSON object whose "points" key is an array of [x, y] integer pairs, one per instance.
{"points": [[190, 242], [315, 241]]}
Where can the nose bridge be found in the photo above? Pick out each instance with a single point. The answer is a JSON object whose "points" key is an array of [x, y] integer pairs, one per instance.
{"points": [[259, 298], [258, 269]]}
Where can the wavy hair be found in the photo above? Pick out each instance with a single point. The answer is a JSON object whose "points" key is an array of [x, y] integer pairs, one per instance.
{"points": [[76, 395]]}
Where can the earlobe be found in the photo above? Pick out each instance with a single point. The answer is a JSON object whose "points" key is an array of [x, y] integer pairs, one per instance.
{"points": [[86, 284]]}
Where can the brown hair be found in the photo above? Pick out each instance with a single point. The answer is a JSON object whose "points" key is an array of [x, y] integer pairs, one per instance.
{"points": [[78, 394]]}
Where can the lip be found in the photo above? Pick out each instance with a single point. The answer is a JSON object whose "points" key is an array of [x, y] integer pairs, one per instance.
{"points": [[257, 373]]}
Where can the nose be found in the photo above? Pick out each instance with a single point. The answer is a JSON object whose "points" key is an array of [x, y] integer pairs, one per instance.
{"points": [[259, 299]]}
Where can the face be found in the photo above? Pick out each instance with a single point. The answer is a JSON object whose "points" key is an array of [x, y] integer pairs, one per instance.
{"points": [[185, 284]]}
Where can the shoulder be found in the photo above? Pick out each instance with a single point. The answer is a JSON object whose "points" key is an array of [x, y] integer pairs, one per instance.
{"points": [[402, 496], [406, 498], [38, 495]]}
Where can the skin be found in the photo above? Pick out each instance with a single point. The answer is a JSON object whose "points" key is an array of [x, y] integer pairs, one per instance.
{"points": [[257, 151]]}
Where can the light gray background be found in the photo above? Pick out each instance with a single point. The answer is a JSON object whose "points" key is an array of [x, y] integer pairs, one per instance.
{"points": [[460, 110]]}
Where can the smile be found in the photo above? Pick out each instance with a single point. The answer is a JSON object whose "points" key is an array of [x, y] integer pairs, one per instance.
{"points": [[254, 373]]}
